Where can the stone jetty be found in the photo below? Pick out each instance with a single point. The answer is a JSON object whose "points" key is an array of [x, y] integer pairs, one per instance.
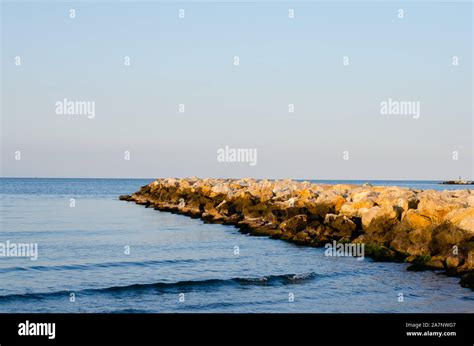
{"points": [[458, 182], [428, 229]]}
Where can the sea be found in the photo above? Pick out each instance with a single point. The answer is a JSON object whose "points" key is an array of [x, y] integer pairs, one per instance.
{"points": [[97, 254]]}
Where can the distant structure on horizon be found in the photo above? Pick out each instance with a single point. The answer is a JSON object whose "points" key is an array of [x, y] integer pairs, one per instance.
{"points": [[460, 181]]}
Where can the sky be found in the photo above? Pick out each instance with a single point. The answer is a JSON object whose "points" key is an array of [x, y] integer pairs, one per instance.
{"points": [[336, 130]]}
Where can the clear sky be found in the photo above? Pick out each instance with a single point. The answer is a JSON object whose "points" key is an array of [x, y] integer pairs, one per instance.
{"points": [[283, 61]]}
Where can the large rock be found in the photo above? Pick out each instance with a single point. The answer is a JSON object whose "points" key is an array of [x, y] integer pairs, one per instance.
{"points": [[379, 219], [295, 224], [437, 206], [462, 219], [413, 235], [342, 225], [356, 209], [327, 203]]}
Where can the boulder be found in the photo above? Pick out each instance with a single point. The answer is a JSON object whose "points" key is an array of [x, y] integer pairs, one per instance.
{"points": [[327, 203], [341, 224], [437, 206], [294, 224], [379, 219], [462, 218]]}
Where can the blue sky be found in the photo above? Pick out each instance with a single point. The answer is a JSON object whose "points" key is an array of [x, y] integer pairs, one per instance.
{"points": [[282, 61]]}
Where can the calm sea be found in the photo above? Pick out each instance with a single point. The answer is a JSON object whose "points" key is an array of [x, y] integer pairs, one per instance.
{"points": [[99, 254]]}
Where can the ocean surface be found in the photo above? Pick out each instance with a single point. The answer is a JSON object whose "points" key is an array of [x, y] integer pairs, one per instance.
{"points": [[99, 254]]}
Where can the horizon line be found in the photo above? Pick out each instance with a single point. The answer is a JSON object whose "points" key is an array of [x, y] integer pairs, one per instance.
{"points": [[296, 179]]}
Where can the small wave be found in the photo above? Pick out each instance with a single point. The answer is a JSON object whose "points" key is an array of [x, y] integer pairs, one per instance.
{"points": [[130, 311], [89, 266], [271, 280], [275, 279]]}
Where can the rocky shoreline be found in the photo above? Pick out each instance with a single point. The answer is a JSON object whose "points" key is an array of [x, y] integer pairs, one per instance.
{"points": [[432, 230]]}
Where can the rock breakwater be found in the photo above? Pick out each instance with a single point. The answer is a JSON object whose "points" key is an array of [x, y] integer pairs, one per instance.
{"points": [[429, 229]]}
